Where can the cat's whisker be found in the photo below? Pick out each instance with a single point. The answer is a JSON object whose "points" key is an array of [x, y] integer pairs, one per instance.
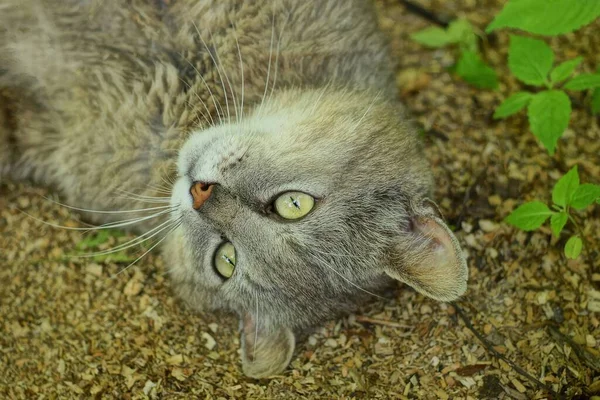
{"points": [[178, 223], [162, 189], [262, 102], [326, 264], [212, 96], [219, 66], [189, 103], [110, 225], [130, 243], [255, 327], [218, 71], [148, 199], [278, 51], [366, 112], [105, 211], [242, 71], [317, 101], [164, 200], [132, 221], [338, 254]]}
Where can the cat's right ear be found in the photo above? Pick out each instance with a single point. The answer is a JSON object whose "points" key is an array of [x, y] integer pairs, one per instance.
{"points": [[429, 258]]}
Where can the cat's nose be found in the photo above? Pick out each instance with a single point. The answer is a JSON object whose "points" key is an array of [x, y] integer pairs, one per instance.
{"points": [[200, 192]]}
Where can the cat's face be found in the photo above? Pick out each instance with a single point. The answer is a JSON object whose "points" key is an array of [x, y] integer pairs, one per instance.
{"points": [[306, 206]]}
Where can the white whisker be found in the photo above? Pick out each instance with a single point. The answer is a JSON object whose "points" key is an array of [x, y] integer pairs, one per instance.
{"points": [[105, 211], [149, 250], [366, 112], [277, 57], [255, 328], [131, 243], [195, 93], [219, 66], [262, 102], [110, 225], [242, 71], [218, 71], [348, 280]]}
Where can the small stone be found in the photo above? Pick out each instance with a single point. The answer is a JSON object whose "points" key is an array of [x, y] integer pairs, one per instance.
{"points": [[210, 342], [175, 360], [495, 200], [133, 287], [426, 309], [488, 226], [148, 386], [593, 306], [467, 227], [542, 297], [94, 269], [491, 252], [590, 341], [179, 374]]}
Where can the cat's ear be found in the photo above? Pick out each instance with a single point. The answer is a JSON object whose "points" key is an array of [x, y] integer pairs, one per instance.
{"points": [[266, 350], [430, 258]]}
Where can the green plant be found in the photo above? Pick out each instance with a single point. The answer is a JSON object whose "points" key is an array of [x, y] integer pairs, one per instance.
{"points": [[546, 17], [549, 111], [531, 60], [568, 195], [470, 65], [96, 240]]}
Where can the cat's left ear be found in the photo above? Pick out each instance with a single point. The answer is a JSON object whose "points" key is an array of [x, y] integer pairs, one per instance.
{"points": [[429, 257], [266, 350]]}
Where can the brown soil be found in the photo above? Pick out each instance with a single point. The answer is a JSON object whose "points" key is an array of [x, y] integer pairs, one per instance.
{"points": [[73, 328]]}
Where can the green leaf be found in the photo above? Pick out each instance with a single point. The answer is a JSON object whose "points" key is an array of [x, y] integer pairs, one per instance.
{"points": [[558, 221], [432, 37], [565, 188], [476, 72], [564, 69], [529, 216], [585, 195], [583, 82], [513, 104], [530, 60], [549, 113], [462, 32], [546, 17], [573, 247], [596, 102], [94, 240]]}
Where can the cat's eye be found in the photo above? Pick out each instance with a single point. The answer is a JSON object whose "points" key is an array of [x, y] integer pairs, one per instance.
{"points": [[294, 205], [225, 260]]}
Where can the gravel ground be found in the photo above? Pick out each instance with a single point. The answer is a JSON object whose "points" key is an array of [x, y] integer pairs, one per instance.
{"points": [[74, 328]]}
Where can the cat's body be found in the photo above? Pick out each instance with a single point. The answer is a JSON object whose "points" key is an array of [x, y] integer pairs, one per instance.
{"points": [[100, 98]]}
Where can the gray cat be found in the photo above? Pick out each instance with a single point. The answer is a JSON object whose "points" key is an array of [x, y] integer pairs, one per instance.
{"points": [[300, 189]]}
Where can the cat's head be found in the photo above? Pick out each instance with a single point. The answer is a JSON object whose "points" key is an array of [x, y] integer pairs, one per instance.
{"points": [[294, 214]]}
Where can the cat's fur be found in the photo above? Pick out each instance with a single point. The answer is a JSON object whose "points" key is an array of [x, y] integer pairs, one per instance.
{"points": [[101, 97]]}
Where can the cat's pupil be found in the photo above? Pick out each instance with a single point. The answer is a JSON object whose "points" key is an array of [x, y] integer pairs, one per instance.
{"points": [[227, 259], [295, 202]]}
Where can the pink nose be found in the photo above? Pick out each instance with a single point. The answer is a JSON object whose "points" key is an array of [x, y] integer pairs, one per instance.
{"points": [[200, 192]]}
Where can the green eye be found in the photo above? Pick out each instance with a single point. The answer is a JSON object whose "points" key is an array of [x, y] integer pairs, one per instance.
{"points": [[294, 205], [225, 260]]}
